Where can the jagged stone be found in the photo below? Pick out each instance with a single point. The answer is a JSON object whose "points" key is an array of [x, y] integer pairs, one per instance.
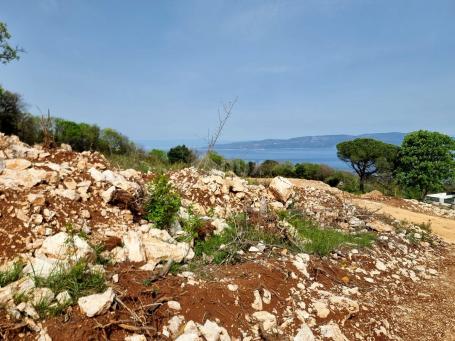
{"points": [[96, 304]]}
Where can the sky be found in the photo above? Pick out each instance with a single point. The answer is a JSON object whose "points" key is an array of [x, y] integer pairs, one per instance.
{"points": [[159, 70]]}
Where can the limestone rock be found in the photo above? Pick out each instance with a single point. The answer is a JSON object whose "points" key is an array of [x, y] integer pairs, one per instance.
{"points": [[304, 334], [63, 298], [96, 304], [332, 331], [108, 194], [62, 245], [17, 164], [136, 337], [266, 320], [281, 188], [213, 332], [134, 249]]}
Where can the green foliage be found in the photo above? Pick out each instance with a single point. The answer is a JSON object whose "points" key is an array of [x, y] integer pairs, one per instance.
{"points": [[323, 241], [427, 161], [44, 308], [308, 237], [181, 154], [100, 259], [81, 136], [112, 142], [191, 227], [368, 157], [11, 275], [267, 169], [158, 156], [312, 171], [7, 52], [163, 202], [78, 280]]}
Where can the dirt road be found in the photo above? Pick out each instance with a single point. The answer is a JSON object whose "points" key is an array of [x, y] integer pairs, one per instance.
{"points": [[443, 227]]}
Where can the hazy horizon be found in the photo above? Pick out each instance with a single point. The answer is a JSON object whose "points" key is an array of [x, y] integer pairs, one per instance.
{"points": [[160, 70]]}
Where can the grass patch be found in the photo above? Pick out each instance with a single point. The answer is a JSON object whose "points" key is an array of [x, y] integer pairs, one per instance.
{"points": [[20, 297], [78, 280], [225, 247], [44, 308], [307, 237], [11, 275], [323, 241]]}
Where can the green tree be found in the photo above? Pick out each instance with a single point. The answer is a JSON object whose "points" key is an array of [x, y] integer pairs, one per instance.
{"points": [[112, 142], [11, 107], [426, 161], [267, 168], [181, 154], [7, 52], [367, 157]]}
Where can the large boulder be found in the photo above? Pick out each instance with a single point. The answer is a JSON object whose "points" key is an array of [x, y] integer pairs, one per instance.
{"points": [[281, 188]]}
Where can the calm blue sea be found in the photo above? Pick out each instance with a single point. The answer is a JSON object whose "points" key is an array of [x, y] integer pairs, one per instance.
{"points": [[326, 156]]}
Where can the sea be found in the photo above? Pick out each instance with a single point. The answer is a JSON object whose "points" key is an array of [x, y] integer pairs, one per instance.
{"points": [[327, 156]]}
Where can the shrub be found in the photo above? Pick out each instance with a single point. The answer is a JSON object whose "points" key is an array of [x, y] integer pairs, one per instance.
{"points": [[163, 202], [181, 154]]}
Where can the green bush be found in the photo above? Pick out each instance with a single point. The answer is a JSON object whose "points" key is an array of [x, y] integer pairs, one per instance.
{"points": [[163, 202], [181, 154]]}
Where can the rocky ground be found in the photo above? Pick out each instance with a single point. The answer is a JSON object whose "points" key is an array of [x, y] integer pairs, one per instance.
{"points": [[58, 207]]}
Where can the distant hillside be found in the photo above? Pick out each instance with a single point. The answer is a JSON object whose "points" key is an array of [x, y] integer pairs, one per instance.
{"points": [[322, 141]]}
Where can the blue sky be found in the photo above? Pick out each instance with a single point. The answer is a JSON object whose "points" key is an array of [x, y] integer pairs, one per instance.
{"points": [[160, 69]]}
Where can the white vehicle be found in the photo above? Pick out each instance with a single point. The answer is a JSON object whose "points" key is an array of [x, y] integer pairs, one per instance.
{"points": [[441, 198]]}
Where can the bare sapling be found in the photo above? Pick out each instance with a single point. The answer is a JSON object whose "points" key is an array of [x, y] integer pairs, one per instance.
{"points": [[224, 113]]}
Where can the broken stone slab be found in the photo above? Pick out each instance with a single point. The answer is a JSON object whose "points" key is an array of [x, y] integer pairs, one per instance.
{"points": [[132, 244], [63, 246], [266, 320], [43, 266], [36, 199], [17, 164], [304, 334], [136, 337], [63, 298], [108, 194], [23, 285], [281, 188], [39, 295], [213, 332], [332, 331], [28, 309], [96, 304], [69, 194], [16, 179]]}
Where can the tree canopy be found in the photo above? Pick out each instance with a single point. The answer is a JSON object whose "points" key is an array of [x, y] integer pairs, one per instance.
{"points": [[181, 154], [7, 52], [426, 161], [367, 157]]}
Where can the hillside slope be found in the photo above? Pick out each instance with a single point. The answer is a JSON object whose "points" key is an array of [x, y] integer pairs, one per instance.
{"points": [[64, 211]]}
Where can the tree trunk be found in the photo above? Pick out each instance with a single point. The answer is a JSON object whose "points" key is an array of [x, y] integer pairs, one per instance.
{"points": [[362, 184]]}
